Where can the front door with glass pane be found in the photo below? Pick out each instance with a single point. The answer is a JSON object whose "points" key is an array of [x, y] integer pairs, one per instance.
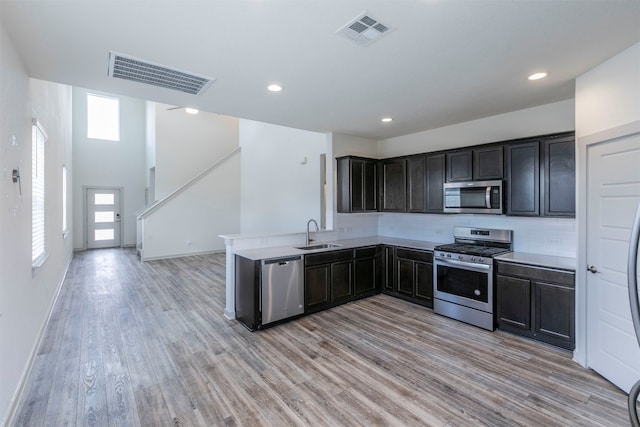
{"points": [[103, 218]]}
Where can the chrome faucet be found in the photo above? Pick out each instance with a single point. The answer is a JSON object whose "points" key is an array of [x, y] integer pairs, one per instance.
{"points": [[308, 224]]}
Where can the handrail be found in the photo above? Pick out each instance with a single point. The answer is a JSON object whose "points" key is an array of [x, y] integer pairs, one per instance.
{"points": [[145, 212]]}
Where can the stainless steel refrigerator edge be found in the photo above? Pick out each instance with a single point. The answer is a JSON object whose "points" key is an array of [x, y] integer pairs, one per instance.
{"points": [[632, 278]]}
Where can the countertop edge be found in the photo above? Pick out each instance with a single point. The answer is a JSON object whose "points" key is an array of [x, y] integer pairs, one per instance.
{"points": [[550, 261]]}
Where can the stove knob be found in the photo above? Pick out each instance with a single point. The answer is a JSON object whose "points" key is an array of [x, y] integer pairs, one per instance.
{"points": [[448, 255], [460, 257], [473, 259]]}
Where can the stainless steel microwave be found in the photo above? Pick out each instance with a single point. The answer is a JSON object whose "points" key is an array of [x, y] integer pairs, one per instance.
{"points": [[473, 197]]}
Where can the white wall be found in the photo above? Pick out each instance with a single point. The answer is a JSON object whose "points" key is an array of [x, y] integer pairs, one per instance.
{"points": [[100, 163], [26, 297], [184, 146], [279, 193], [192, 222], [150, 154], [349, 145], [609, 95], [548, 236], [607, 105], [534, 235], [187, 144], [351, 225], [544, 119]]}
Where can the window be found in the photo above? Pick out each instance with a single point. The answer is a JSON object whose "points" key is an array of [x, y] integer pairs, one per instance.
{"points": [[103, 117], [64, 201], [38, 140]]}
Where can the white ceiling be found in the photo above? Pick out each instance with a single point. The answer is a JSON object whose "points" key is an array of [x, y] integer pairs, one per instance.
{"points": [[445, 62]]}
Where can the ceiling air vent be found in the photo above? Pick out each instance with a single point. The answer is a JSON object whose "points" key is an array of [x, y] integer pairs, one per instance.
{"points": [[138, 70], [364, 29]]}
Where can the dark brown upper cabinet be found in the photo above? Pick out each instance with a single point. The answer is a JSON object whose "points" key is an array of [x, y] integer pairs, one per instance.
{"points": [[417, 184], [425, 178], [357, 184], [523, 179], [488, 163], [435, 167], [459, 166], [559, 185], [540, 178], [394, 185], [477, 164]]}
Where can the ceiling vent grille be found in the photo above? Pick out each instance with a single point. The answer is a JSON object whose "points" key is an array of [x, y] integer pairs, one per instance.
{"points": [[364, 29], [138, 70]]}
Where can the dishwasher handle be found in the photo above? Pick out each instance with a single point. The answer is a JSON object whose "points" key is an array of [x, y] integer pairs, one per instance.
{"points": [[281, 261]]}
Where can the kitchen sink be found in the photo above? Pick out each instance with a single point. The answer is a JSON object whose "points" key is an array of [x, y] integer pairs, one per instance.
{"points": [[319, 246]]}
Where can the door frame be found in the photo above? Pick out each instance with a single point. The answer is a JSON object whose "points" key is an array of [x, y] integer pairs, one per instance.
{"points": [[85, 219], [582, 144]]}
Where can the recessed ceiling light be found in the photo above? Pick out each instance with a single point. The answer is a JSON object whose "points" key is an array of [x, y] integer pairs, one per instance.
{"points": [[537, 76], [191, 110], [274, 87], [386, 119]]}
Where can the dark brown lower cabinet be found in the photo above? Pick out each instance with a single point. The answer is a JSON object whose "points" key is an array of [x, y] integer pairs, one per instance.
{"points": [[367, 271], [388, 271], [414, 275], [328, 279], [514, 302], [554, 313], [316, 287], [536, 302]]}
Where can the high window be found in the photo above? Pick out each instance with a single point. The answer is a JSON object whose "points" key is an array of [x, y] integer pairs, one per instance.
{"points": [[103, 117], [38, 142]]}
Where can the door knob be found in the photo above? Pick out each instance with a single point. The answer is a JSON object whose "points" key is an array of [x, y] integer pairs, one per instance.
{"points": [[592, 269]]}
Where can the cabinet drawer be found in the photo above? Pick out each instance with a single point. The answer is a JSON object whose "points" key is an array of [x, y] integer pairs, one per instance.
{"points": [[328, 257], [562, 277], [367, 252], [414, 255]]}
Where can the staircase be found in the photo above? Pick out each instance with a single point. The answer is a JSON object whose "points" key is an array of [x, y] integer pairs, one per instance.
{"points": [[189, 220]]}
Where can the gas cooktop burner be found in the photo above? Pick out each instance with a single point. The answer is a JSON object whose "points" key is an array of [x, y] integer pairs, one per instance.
{"points": [[469, 249]]}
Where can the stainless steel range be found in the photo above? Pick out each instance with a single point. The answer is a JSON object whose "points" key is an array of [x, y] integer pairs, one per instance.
{"points": [[463, 275]]}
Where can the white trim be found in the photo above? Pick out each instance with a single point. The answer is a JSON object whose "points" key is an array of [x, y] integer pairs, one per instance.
{"points": [[36, 122], [39, 141], [582, 143], [18, 394], [181, 255], [85, 218], [146, 211]]}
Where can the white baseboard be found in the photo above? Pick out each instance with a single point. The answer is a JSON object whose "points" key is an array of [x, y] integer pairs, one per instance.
{"points": [[17, 396], [182, 255]]}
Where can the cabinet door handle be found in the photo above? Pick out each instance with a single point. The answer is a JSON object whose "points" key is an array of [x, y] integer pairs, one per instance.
{"points": [[592, 269]]}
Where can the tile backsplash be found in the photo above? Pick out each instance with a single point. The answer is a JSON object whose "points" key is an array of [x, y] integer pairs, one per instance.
{"points": [[548, 236]]}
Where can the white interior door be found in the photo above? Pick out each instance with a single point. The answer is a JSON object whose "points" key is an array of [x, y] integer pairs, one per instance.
{"points": [[613, 186], [103, 218]]}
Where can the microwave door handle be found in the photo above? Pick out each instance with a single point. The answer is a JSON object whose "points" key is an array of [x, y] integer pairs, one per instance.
{"points": [[487, 197]]}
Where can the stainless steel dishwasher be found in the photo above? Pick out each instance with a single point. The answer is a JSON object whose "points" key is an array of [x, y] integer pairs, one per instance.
{"points": [[282, 293]]}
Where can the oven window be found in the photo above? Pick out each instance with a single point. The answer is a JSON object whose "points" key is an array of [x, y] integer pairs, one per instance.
{"points": [[463, 283]]}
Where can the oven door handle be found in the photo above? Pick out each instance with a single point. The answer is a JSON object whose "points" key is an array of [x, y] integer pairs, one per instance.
{"points": [[462, 264]]}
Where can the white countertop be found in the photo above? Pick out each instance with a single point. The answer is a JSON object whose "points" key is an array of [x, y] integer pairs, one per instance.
{"points": [[285, 251], [550, 261]]}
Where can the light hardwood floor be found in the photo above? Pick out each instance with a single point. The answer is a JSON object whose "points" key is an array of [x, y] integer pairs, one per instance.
{"points": [[133, 343]]}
